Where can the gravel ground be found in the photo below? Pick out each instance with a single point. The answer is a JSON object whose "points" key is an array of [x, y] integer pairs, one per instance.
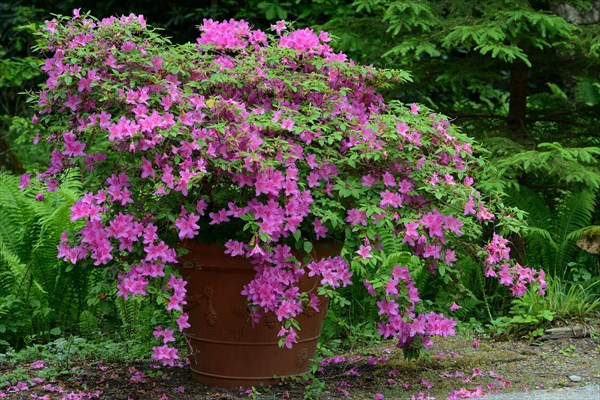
{"points": [[591, 392], [566, 369]]}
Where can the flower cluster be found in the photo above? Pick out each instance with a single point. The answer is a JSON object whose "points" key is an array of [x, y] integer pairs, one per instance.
{"points": [[267, 144]]}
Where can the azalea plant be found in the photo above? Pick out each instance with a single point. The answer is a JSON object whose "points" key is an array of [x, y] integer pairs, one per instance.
{"points": [[268, 144]]}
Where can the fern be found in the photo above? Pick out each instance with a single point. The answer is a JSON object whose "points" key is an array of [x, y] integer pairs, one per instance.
{"points": [[552, 161], [587, 91], [552, 233], [30, 272]]}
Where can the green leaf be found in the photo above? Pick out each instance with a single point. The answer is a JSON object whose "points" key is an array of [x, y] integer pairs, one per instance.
{"points": [[307, 246]]}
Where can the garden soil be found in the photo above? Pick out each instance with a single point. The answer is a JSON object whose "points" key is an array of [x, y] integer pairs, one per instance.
{"points": [[455, 368]]}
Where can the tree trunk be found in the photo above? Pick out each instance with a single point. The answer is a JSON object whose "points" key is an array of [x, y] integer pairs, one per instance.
{"points": [[517, 108]]}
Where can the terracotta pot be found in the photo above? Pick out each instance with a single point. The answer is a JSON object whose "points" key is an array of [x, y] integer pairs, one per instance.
{"points": [[226, 350]]}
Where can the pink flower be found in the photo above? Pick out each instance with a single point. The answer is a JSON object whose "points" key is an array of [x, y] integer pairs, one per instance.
{"points": [[234, 248], [427, 384], [182, 322], [73, 101], [386, 307], [290, 337], [364, 251], [37, 364], [165, 354], [450, 257], [226, 35], [279, 27], [368, 180], [187, 226], [414, 109], [287, 124], [370, 288], [25, 181], [470, 206], [147, 170], [320, 229], [356, 217], [483, 214], [201, 206], [455, 307], [378, 396], [256, 250], [302, 40]]}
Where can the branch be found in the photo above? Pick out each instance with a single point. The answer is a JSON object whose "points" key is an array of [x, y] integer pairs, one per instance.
{"points": [[557, 120], [530, 119], [481, 116]]}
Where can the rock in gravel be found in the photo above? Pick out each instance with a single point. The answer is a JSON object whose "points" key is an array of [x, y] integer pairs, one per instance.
{"points": [[575, 378]]}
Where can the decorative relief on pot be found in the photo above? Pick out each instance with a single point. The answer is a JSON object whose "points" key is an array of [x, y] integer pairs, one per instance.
{"points": [[239, 312], [301, 357], [190, 264], [271, 321], [211, 315], [308, 310], [192, 300]]}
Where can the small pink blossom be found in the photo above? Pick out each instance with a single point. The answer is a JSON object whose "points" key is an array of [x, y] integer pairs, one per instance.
{"points": [[364, 251], [287, 124], [427, 384], [279, 27], [320, 229], [182, 322], [165, 354], [25, 181]]}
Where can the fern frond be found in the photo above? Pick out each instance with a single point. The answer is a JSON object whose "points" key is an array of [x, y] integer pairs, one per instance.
{"points": [[579, 209], [587, 91], [29, 269]]}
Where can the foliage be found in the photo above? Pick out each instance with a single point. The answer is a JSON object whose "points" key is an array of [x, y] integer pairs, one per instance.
{"points": [[461, 54], [39, 292], [265, 143], [574, 167], [61, 355], [19, 71], [553, 233], [564, 302], [490, 64], [557, 187]]}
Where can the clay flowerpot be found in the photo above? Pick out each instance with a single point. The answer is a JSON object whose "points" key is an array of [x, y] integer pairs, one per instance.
{"points": [[226, 350]]}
